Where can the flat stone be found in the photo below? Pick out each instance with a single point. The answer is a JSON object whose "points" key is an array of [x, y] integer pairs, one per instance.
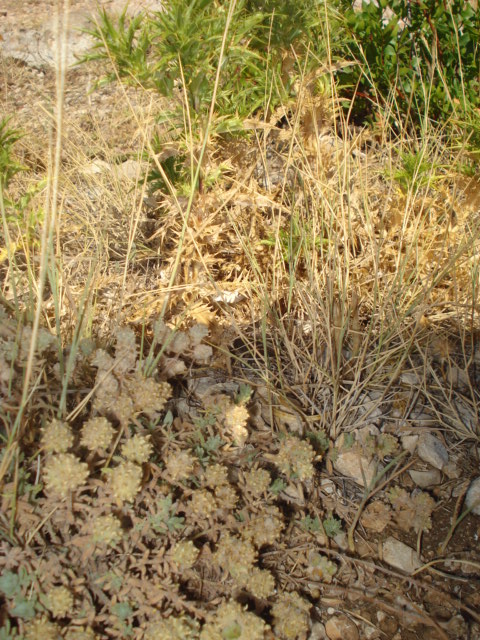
{"points": [[410, 378], [354, 465], [130, 170], [427, 478], [452, 470], [401, 556], [364, 433], [317, 632], [472, 499], [431, 450], [409, 443], [339, 627]]}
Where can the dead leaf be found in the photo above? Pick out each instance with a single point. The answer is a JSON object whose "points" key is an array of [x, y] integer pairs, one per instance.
{"points": [[376, 516]]}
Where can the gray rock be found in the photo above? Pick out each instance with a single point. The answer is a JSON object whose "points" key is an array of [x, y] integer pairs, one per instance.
{"points": [[38, 45], [130, 170], [427, 478], [452, 470], [401, 556], [411, 378], [472, 499], [339, 627], [371, 405], [29, 31], [431, 450], [352, 464], [409, 443], [317, 632], [365, 432]]}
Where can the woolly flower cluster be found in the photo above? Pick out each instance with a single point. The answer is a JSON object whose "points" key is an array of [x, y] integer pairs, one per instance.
{"points": [[41, 629], [124, 481], [266, 527], [60, 601], [136, 394], [320, 567], [201, 506], [232, 621], [107, 530], [215, 475], [238, 556], [97, 434], [236, 418], [257, 481], [181, 628], [64, 473], [291, 616], [182, 343], [148, 396], [185, 554], [179, 465], [137, 449], [57, 437], [215, 478], [80, 633], [295, 457]]}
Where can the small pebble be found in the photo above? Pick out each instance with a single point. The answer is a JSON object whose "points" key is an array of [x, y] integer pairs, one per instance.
{"points": [[472, 499], [431, 450], [340, 627], [427, 478], [409, 443], [401, 556]]}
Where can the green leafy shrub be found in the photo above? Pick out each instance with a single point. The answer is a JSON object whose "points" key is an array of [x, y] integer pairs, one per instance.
{"points": [[422, 57], [9, 166], [179, 48], [15, 586], [176, 53], [16, 210]]}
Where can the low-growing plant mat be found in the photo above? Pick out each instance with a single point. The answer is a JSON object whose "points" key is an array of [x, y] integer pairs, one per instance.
{"points": [[240, 396]]}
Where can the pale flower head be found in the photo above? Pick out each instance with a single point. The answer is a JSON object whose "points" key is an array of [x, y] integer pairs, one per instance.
{"points": [[197, 333], [172, 628], [295, 457], [107, 530], [137, 449], [179, 465], [260, 583], [97, 434], [148, 395], [60, 601], [231, 620], [80, 633], [41, 629], [57, 436], [125, 481], [257, 481], [185, 554], [202, 353], [64, 473], [125, 350], [215, 475], [291, 616], [236, 417]]}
